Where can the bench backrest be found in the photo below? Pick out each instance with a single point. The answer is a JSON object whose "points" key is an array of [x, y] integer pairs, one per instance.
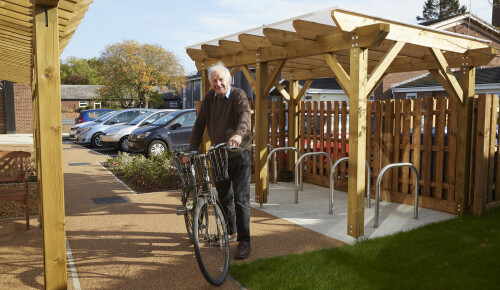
{"points": [[14, 165]]}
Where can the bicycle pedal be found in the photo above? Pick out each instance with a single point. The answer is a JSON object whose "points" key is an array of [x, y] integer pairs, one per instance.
{"points": [[181, 210]]}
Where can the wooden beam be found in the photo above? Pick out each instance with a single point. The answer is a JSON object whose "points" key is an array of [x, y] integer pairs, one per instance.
{"points": [[212, 50], [357, 142], [311, 30], [342, 78], [304, 89], [418, 35], [293, 122], [261, 133], [379, 71], [249, 77], [464, 139], [447, 73], [252, 42], [47, 3], [205, 88], [279, 37], [231, 47], [282, 90], [234, 70], [438, 76], [272, 78], [50, 128]]}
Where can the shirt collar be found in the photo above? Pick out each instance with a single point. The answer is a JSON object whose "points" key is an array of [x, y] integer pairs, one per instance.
{"points": [[227, 94]]}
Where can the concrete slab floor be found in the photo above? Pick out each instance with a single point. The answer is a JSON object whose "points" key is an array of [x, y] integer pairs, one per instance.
{"points": [[312, 212]]}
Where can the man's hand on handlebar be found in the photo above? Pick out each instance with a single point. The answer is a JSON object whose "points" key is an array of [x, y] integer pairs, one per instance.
{"points": [[234, 141]]}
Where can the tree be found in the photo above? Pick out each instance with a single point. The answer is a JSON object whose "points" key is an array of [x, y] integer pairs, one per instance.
{"points": [[80, 71], [133, 71], [439, 9]]}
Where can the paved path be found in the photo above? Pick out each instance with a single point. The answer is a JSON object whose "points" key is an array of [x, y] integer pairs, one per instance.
{"points": [[139, 244]]}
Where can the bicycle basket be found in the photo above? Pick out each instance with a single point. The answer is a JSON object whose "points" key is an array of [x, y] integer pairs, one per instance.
{"points": [[218, 164], [185, 170]]}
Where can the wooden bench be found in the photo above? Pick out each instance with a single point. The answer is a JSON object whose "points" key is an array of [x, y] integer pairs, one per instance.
{"points": [[14, 169]]}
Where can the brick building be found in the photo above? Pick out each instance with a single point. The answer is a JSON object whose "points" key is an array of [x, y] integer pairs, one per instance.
{"points": [[16, 113]]}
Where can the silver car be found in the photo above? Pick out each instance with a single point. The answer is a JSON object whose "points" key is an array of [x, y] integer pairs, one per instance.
{"points": [[91, 134], [74, 129], [116, 136]]}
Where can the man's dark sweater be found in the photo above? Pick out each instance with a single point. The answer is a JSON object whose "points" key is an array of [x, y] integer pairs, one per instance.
{"points": [[223, 118]]}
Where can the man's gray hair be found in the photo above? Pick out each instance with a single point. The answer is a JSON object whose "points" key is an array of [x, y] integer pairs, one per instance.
{"points": [[216, 67]]}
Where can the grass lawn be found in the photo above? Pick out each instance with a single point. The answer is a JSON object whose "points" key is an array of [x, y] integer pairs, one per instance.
{"points": [[462, 253]]}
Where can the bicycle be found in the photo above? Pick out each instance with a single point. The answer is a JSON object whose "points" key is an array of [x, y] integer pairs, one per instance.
{"points": [[209, 233]]}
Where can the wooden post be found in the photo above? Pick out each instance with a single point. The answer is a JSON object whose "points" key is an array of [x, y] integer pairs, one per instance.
{"points": [[261, 128], [205, 87], [480, 176], [357, 142], [464, 137], [293, 122], [48, 93]]}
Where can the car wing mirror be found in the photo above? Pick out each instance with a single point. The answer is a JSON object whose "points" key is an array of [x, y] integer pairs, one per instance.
{"points": [[175, 126]]}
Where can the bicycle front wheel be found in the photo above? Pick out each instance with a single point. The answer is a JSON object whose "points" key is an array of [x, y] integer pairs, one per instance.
{"points": [[189, 202], [211, 241]]}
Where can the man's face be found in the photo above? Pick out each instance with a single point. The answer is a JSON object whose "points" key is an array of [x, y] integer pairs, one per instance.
{"points": [[220, 83]]}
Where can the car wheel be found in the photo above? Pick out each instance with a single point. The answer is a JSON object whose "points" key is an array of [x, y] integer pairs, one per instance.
{"points": [[157, 147], [123, 144], [96, 140]]}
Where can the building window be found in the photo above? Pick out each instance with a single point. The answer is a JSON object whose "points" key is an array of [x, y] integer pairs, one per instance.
{"points": [[308, 98], [411, 96], [83, 104], [97, 105], [173, 104]]}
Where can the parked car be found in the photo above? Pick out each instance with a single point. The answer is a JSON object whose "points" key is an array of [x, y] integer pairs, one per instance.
{"points": [[74, 129], [168, 133], [116, 136], [90, 115], [91, 134]]}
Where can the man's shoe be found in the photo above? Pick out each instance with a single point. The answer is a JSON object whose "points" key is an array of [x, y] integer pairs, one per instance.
{"points": [[233, 238], [243, 250]]}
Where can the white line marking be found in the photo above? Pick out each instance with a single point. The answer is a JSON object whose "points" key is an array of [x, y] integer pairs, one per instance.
{"points": [[126, 186], [72, 267]]}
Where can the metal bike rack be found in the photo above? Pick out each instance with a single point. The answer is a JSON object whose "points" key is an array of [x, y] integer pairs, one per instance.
{"points": [[377, 189], [297, 173], [330, 207], [276, 163]]}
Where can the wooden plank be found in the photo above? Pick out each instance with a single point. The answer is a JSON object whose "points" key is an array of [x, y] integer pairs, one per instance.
{"points": [[274, 138], [343, 138], [212, 50], [369, 134], [452, 148], [322, 138], [261, 133], [405, 157], [231, 47], [281, 135], [249, 77], [377, 138], [49, 95], [253, 42], [497, 180], [340, 75], [427, 144], [417, 137], [272, 77], [439, 136], [464, 136], [281, 90], [388, 149], [482, 150], [379, 71], [331, 151], [397, 144], [279, 37], [205, 87], [447, 73], [293, 125], [336, 134], [357, 142], [492, 147], [417, 35], [311, 30]]}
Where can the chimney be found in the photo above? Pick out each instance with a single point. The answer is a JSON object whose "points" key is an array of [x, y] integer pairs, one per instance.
{"points": [[495, 18]]}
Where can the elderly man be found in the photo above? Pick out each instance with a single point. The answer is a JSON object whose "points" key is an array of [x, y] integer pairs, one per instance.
{"points": [[226, 114]]}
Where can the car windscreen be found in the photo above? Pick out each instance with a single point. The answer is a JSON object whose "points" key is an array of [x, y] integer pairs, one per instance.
{"points": [[104, 117], [138, 119], [165, 119]]}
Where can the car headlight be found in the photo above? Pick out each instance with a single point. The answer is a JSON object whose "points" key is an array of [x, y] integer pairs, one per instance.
{"points": [[85, 129], [109, 133], [143, 135]]}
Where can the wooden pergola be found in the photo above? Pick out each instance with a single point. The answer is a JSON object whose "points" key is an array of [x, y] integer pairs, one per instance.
{"points": [[359, 51], [33, 34]]}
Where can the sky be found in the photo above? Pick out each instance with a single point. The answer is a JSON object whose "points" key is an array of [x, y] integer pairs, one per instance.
{"points": [[177, 24]]}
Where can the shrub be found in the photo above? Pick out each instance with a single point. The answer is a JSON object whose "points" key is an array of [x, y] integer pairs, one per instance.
{"points": [[142, 174]]}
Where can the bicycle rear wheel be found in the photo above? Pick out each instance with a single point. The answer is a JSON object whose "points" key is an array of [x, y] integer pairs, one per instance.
{"points": [[211, 241], [189, 202]]}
